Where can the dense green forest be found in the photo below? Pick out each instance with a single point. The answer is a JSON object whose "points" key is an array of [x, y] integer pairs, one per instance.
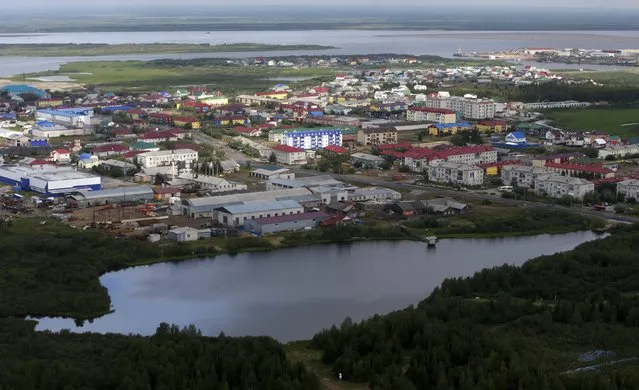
{"points": [[508, 327], [170, 359]]}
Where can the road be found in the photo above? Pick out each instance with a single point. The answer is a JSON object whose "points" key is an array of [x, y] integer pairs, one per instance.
{"points": [[202, 138], [473, 195]]}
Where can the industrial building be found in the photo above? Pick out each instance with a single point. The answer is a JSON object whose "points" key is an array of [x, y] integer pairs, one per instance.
{"points": [[367, 161], [312, 139], [204, 207], [84, 198], [48, 180], [374, 194], [70, 117], [183, 234], [48, 129], [272, 172], [286, 223], [238, 214]]}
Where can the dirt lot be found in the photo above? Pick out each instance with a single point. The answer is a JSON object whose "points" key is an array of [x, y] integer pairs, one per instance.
{"points": [[51, 85]]}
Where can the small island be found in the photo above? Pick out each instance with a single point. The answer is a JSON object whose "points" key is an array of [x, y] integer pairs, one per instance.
{"points": [[101, 49]]}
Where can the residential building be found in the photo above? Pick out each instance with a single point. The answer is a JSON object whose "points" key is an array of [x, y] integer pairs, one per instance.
{"points": [[455, 173], [155, 137], [431, 114], [103, 151], [554, 105], [587, 171], [470, 107], [619, 151], [521, 175], [144, 147], [388, 108], [442, 129], [237, 215], [377, 136], [493, 126], [564, 158], [286, 223], [161, 118], [279, 95], [516, 138], [557, 186], [51, 102], [445, 206], [332, 120], [248, 131], [167, 157], [367, 161], [418, 159], [187, 122], [61, 156], [629, 188], [312, 138], [231, 120], [289, 155]]}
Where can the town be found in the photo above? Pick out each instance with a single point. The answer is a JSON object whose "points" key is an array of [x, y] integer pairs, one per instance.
{"points": [[193, 163]]}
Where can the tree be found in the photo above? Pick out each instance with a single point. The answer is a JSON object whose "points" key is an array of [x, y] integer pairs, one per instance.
{"points": [[272, 158]]}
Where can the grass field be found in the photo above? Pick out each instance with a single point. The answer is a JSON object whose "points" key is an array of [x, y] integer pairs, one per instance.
{"points": [[95, 49], [153, 75], [623, 122], [627, 77]]}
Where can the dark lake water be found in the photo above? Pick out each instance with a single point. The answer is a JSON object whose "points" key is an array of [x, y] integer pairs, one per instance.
{"points": [[441, 43], [293, 293]]}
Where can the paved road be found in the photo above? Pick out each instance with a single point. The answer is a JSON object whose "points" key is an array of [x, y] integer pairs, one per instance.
{"points": [[475, 196]]}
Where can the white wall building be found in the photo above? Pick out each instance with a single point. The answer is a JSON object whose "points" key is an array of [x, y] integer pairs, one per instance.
{"points": [[290, 155], [470, 107], [618, 150], [521, 175], [557, 186], [237, 215], [167, 157], [70, 117], [630, 188], [373, 194], [312, 138], [455, 173]]}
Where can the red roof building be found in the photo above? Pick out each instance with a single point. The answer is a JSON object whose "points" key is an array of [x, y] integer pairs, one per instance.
{"points": [[335, 149], [576, 169], [108, 150], [36, 163], [287, 149]]}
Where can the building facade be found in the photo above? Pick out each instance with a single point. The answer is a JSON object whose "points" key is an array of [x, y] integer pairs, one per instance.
{"points": [[469, 108], [377, 136], [431, 114], [237, 215], [557, 186], [629, 188], [455, 173], [286, 223], [521, 175], [312, 139], [285, 154], [167, 157]]}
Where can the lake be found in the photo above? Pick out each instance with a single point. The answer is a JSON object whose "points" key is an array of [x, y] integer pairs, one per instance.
{"points": [[291, 294], [347, 42]]}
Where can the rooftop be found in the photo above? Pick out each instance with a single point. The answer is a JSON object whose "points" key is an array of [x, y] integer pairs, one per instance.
{"points": [[120, 192], [287, 149], [260, 205], [291, 217]]}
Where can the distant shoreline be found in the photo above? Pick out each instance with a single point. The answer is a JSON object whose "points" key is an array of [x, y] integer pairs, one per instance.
{"points": [[102, 49]]}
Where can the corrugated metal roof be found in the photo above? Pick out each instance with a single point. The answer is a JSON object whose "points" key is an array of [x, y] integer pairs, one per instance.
{"points": [[117, 192], [259, 206], [216, 201]]}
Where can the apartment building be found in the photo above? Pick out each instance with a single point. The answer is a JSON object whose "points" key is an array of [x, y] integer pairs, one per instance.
{"points": [[455, 173], [291, 155], [431, 114], [557, 186], [377, 136], [167, 157], [468, 107], [311, 139], [521, 175], [629, 188]]}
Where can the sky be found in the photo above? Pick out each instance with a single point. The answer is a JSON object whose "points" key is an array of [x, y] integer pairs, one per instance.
{"points": [[86, 4]]}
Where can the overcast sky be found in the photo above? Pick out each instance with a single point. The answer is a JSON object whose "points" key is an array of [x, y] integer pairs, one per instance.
{"points": [[603, 4]]}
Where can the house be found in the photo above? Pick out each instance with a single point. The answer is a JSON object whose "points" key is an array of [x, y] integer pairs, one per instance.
{"points": [[629, 188], [272, 172], [521, 175], [557, 186], [231, 120], [229, 166], [347, 209], [248, 131], [405, 208], [516, 138], [183, 234], [455, 173], [123, 132], [442, 129], [160, 118], [377, 136], [334, 150], [445, 206], [237, 215], [103, 151], [122, 167], [155, 137], [493, 126], [165, 193], [366, 161], [290, 155], [60, 156], [187, 122], [88, 161], [286, 223]]}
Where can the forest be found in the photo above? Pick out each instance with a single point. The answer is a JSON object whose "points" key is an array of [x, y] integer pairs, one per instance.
{"points": [[529, 327], [172, 358]]}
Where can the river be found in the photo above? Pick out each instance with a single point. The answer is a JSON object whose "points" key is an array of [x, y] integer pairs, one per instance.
{"points": [[291, 294], [347, 42]]}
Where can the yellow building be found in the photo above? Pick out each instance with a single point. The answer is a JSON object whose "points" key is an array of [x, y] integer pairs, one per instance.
{"points": [[442, 129], [377, 136], [492, 127], [213, 100], [280, 95], [53, 102], [187, 122]]}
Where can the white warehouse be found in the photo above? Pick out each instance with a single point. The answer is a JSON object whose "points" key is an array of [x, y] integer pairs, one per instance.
{"points": [[238, 214], [49, 181]]}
